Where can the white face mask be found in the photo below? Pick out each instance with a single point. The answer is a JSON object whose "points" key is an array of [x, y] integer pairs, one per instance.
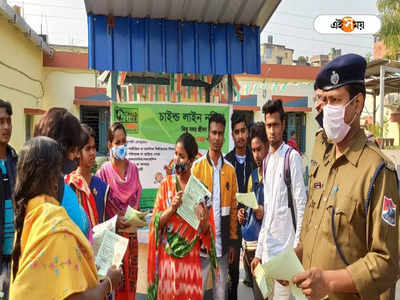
{"points": [[335, 127]]}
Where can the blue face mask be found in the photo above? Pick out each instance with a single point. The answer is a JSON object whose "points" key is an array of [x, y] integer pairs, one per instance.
{"points": [[119, 152], [180, 168]]}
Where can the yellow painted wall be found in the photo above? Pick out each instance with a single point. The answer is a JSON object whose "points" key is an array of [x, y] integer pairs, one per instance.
{"points": [[19, 53], [39, 87], [60, 86]]}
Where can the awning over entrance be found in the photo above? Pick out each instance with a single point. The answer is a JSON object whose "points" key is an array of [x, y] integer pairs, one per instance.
{"points": [[175, 36], [248, 102], [85, 96]]}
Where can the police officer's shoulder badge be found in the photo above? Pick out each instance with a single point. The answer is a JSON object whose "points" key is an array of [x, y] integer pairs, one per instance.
{"points": [[335, 78], [389, 211]]}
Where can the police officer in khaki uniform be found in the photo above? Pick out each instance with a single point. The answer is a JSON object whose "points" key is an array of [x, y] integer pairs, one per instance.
{"points": [[349, 239]]}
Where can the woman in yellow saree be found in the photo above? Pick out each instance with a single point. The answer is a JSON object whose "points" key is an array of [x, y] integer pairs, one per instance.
{"points": [[52, 259]]}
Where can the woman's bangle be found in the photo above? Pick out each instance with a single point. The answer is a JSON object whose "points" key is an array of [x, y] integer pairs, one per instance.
{"points": [[111, 287]]}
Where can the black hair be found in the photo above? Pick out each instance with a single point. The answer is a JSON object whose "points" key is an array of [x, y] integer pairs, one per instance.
{"points": [[273, 106], [217, 118], [238, 117], [7, 106], [257, 130], [189, 143], [113, 128], [62, 126], [355, 88], [86, 133], [39, 165], [292, 132]]}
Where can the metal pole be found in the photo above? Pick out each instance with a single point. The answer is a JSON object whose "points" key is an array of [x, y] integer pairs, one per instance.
{"points": [[374, 109], [114, 79], [382, 97], [230, 89]]}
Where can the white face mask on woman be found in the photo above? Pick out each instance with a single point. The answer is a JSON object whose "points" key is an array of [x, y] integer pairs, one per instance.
{"points": [[335, 127]]}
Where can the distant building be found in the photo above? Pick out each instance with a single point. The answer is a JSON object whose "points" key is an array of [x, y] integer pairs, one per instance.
{"points": [[323, 59], [319, 60], [275, 54], [334, 53], [302, 61]]}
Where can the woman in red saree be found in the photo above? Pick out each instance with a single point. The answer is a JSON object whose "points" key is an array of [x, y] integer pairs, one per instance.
{"points": [[122, 176], [174, 266]]}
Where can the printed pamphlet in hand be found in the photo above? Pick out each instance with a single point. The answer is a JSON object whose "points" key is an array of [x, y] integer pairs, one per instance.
{"points": [[285, 266], [100, 230], [111, 252], [264, 283], [135, 219], [194, 194], [248, 199]]}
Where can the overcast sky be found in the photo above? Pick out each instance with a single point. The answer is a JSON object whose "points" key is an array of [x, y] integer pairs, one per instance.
{"points": [[291, 25]]}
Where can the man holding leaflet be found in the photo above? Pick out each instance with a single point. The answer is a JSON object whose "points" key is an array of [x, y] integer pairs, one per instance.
{"points": [[284, 194], [251, 219], [349, 241]]}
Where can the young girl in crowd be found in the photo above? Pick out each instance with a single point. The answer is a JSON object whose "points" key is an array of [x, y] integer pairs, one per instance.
{"points": [[125, 189], [91, 191], [51, 259]]}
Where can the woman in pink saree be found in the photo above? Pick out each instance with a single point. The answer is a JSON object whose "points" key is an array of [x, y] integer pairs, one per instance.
{"points": [[122, 176]]}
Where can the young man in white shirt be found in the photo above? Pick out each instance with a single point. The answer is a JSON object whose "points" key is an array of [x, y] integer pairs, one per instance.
{"points": [[281, 224]]}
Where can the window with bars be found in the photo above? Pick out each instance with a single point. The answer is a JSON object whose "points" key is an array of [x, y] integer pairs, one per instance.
{"points": [[98, 118]]}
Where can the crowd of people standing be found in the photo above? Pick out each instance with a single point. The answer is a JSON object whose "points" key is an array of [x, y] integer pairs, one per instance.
{"points": [[344, 230]]}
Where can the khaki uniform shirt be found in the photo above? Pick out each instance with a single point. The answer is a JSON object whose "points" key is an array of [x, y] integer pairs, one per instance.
{"points": [[369, 243]]}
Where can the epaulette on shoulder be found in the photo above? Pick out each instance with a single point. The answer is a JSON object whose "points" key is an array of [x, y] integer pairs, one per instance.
{"points": [[388, 162]]}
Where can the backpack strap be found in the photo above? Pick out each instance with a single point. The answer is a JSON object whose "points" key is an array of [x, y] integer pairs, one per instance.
{"points": [[265, 163], [288, 182], [254, 177], [371, 186]]}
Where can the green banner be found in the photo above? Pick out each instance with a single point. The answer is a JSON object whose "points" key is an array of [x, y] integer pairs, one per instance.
{"points": [[152, 131], [166, 122]]}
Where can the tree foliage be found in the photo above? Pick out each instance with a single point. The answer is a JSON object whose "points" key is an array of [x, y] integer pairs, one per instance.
{"points": [[390, 30]]}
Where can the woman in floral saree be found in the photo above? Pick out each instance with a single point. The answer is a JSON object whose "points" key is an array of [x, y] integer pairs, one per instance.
{"points": [[174, 266]]}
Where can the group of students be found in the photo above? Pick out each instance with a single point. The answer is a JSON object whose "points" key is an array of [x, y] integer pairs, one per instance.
{"points": [[181, 259], [57, 202]]}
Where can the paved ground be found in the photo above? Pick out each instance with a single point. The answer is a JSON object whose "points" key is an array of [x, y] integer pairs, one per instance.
{"points": [[245, 293]]}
